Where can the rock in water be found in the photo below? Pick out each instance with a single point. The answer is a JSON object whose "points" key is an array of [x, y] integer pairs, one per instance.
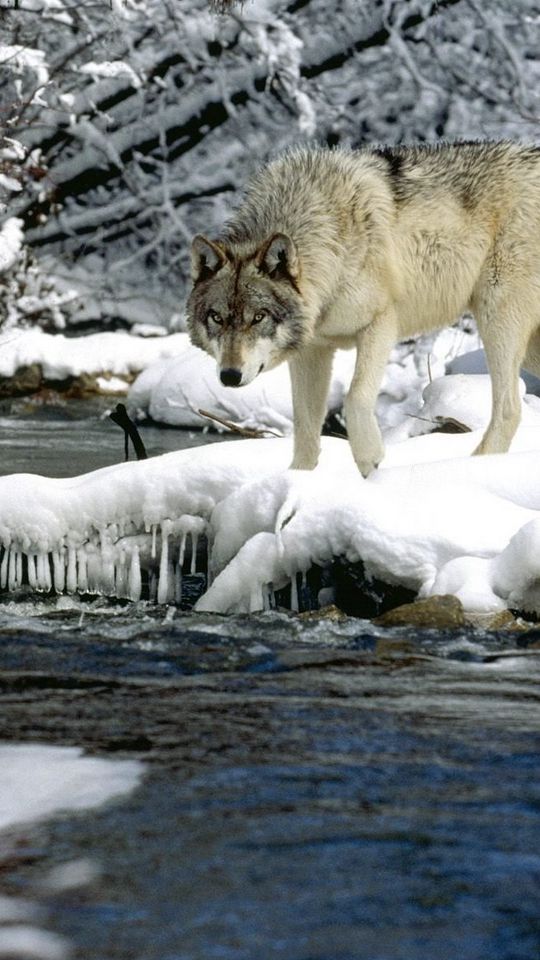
{"points": [[441, 612]]}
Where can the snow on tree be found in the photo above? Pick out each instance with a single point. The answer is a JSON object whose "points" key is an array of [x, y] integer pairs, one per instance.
{"points": [[139, 120]]}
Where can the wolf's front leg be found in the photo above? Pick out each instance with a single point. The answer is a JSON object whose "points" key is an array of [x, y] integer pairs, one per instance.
{"points": [[373, 347], [310, 380]]}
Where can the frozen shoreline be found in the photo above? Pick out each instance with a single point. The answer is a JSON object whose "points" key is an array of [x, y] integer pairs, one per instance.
{"points": [[432, 519]]}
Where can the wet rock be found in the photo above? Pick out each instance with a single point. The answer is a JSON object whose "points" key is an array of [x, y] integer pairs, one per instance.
{"points": [[29, 381], [331, 612], [441, 612], [24, 381], [501, 620]]}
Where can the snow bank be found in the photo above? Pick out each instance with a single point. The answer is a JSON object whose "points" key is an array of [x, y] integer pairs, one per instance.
{"points": [[432, 519], [174, 390], [61, 357]]}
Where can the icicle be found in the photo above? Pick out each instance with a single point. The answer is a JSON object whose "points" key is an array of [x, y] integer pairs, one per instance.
{"points": [[194, 542], [71, 579], [134, 591], [154, 534], [82, 575], [93, 569], [39, 571], [163, 587], [59, 570], [12, 569], [121, 576], [106, 576], [255, 598], [4, 568], [178, 583], [32, 574], [294, 593], [152, 587], [18, 568], [47, 572], [182, 551]]}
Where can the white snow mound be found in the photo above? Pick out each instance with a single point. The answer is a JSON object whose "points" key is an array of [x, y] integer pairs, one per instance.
{"points": [[174, 390]]}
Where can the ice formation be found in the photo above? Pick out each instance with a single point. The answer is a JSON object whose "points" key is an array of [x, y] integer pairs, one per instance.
{"points": [[433, 519]]}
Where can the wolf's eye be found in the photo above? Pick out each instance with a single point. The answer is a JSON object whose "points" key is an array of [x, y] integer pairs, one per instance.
{"points": [[215, 317], [260, 315]]}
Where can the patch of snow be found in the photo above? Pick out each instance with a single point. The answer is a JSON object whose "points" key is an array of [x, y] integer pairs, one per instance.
{"points": [[22, 58], [113, 385], [11, 240], [40, 781], [464, 398], [10, 184], [110, 68], [61, 357], [31, 943]]}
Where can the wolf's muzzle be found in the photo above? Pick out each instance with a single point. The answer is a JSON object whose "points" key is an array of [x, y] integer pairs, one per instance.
{"points": [[230, 377]]}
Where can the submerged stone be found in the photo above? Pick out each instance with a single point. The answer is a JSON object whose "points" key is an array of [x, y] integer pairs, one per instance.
{"points": [[441, 612]]}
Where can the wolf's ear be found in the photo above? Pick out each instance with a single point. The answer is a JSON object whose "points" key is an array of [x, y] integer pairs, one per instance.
{"points": [[207, 258], [278, 258]]}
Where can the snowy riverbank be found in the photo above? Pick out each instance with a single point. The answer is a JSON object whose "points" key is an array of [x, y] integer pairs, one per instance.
{"points": [[432, 519]]}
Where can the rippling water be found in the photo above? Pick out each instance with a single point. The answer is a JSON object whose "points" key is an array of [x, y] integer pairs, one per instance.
{"points": [[314, 790]]}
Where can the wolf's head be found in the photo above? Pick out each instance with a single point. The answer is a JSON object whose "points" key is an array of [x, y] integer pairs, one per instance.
{"points": [[245, 309]]}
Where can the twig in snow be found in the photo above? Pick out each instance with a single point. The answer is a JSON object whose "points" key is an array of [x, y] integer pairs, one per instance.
{"points": [[234, 428]]}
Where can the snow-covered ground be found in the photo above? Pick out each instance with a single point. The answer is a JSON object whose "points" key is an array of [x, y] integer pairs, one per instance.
{"points": [[432, 518], [38, 782]]}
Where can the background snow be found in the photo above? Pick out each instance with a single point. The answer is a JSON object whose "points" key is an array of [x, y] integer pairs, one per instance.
{"points": [[60, 357], [138, 125]]}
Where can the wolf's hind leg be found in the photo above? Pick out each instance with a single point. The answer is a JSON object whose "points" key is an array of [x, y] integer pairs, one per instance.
{"points": [[310, 381], [373, 348], [532, 357], [505, 347]]}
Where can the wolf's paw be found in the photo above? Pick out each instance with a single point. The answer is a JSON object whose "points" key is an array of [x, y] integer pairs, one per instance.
{"points": [[304, 463], [368, 458], [367, 466]]}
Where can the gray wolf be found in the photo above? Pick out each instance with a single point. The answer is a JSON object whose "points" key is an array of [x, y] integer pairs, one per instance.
{"points": [[362, 248]]}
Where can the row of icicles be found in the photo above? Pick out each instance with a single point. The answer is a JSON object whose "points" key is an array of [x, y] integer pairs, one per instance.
{"points": [[110, 565], [128, 566]]}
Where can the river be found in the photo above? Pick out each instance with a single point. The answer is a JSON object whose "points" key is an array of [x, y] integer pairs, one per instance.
{"points": [[313, 789]]}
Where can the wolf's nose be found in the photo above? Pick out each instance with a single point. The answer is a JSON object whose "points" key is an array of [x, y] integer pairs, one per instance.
{"points": [[231, 377]]}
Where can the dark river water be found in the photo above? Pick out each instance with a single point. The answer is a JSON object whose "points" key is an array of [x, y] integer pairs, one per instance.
{"points": [[313, 790]]}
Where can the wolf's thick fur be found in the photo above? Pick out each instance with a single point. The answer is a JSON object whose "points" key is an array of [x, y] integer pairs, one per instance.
{"points": [[338, 248]]}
